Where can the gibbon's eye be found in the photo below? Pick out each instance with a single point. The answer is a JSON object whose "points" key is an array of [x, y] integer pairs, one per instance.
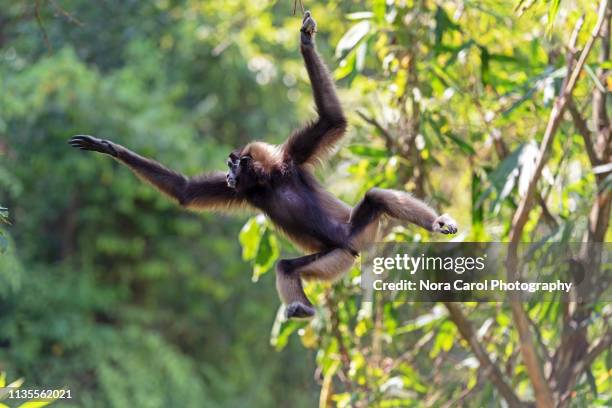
{"points": [[245, 159], [230, 164]]}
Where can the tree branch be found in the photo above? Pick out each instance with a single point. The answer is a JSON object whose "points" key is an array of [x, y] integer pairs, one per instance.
{"points": [[490, 369], [389, 142], [581, 126], [602, 345], [543, 394]]}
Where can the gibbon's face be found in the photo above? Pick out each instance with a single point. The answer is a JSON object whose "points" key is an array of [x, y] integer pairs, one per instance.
{"points": [[240, 170]]}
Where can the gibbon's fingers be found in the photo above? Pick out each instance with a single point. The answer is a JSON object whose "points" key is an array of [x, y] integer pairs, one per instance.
{"points": [[309, 25], [86, 142]]}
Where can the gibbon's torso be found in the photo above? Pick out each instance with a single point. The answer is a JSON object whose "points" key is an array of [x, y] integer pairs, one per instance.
{"points": [[302, 209]]}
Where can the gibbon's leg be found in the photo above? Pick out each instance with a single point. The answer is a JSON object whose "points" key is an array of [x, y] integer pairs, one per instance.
{"points": [[314, 140], [327, 265], [206, 191], [397, 204]]}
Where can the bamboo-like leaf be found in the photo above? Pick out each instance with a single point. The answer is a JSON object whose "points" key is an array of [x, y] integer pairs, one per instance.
{"points": [[351, 38], [553, 10]]}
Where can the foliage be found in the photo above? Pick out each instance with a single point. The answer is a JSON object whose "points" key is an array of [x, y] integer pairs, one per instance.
{"points": [[15, 385], [109, 290]]}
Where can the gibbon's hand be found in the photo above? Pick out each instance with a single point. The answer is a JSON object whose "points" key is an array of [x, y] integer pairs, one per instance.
{"points": [[94, 144], [309, 28], [444, 224]]}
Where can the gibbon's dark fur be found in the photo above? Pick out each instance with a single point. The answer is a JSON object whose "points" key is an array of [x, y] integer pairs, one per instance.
{"points": [[278, 181]]}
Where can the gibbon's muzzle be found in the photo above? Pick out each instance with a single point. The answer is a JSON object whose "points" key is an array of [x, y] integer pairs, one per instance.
{"points": [[232, 178]]}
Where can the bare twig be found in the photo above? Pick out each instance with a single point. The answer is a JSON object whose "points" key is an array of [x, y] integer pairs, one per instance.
{"points": [[600, 112], [602, 345], [460, 400], [41, 26], [295, 2], [389, 142], [581, 126], [489, 369], [344, 354], [66, 14]]}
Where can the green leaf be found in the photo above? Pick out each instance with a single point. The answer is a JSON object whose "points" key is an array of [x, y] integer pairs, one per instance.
{"points": [[4, 215], [505, 177], [351, 38], [379, 7], [443, 23], [477, 210], [267, 253], [606, 65], [553, 10], [249, 238], [346, 66], [368, 151], [35, 404], [463, 145], [360, 15], [591, 381], [282, 329], [485, 72], [594, 78]]}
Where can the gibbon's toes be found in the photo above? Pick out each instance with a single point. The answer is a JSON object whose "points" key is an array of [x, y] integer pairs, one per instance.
{"points": [[444, 224], [297, 310]]}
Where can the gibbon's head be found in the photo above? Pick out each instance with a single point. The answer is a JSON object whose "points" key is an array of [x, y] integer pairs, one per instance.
{"points": [[251, 165]]}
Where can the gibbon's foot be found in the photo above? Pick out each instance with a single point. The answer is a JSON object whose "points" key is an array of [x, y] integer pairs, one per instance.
{"points": [[444, 224], [309, 28], [297, 310], [94, 144]]}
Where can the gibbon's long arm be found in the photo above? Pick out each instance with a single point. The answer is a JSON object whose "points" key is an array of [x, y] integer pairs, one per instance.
{"points": [[314, 140], [206, 191]]}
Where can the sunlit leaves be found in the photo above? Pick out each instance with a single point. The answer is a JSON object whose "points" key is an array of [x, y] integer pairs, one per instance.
{"points": [[553, 10], [5, 390], [443, 23], [368, 151], [515, 169], [3, 215], [352, 38], [351, 50], [259, 245]]}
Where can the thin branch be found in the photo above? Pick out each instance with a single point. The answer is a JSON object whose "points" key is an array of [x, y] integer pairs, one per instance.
{"points": [[581, 126], [389, 142], [539, 338], [502, 152], [602, 345], [66, 14], [41, 26], [490, 369], [344, 354], [460, 400], [600, 113]]}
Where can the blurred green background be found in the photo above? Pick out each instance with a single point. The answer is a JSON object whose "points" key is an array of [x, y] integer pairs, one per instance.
{"points": [[110, 290]]}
